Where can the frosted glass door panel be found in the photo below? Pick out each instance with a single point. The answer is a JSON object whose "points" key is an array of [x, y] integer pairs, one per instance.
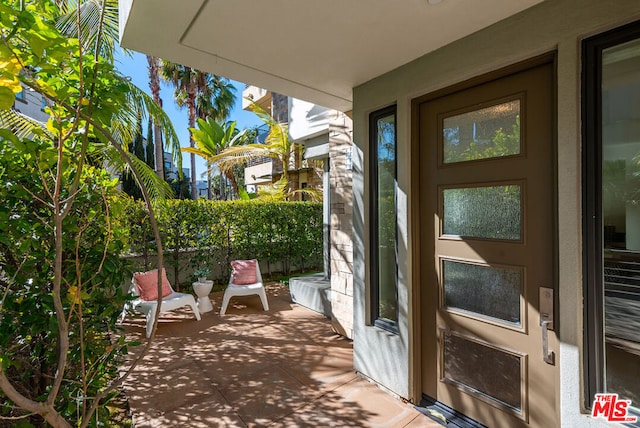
{"points": [[491, 212], [485, 290]]}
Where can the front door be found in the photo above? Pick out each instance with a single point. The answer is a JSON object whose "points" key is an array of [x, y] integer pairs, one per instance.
{"points": [[487, 247]]}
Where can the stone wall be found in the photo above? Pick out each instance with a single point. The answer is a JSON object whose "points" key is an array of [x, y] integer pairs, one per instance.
{"points": [[340, 143]]}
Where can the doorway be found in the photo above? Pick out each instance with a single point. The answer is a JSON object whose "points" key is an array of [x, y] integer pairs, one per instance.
{"points": [[487, 233]]}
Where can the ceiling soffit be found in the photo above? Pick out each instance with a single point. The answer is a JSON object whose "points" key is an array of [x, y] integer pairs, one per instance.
{"points": [[312, 50]]}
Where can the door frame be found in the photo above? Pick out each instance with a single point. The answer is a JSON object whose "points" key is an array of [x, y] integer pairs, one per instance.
{"points": [[416, 353]]}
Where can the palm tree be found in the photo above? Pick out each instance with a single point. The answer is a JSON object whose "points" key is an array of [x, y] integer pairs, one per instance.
{"points": [[277, 146], [198, 91], [215, 101], [154, 86], [213, 138]]}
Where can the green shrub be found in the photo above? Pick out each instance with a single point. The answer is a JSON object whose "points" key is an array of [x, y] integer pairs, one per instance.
{"points": [[92, 274], [220, 231]]}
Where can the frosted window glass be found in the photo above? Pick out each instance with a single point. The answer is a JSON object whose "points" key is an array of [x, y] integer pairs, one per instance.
{"points": [[492, 212], [490, 291]]}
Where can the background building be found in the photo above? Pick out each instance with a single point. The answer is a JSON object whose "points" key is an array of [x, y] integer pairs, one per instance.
{"points": [[31, 104]]}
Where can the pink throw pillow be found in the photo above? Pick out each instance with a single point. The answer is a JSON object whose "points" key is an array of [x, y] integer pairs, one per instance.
{"points": [[244, 272], [147, 284]]}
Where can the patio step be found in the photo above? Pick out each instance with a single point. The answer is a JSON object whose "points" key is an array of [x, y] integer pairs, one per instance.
{"points": [[313, 292]]}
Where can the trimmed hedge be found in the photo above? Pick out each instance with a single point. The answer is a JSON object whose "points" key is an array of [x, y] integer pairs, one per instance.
{"points": [[284, 236]]}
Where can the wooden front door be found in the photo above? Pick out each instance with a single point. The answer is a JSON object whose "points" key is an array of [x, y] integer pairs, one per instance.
{"points": [[487, 247]]}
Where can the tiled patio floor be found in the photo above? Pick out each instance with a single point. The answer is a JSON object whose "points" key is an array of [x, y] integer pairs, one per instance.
{"points": [[281, 368]]}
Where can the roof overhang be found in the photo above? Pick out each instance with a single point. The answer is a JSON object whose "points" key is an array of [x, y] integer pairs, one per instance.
{"points": [[312, 50]]}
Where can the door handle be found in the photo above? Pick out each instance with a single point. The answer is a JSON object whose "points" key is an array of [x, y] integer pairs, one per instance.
{"points": [[546, 322], [547, 356]]}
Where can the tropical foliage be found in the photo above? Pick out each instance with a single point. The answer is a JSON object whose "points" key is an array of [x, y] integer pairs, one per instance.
{"points": [[205, 95], [60, 271], [211, 139], [129, 185], [277, 146]]}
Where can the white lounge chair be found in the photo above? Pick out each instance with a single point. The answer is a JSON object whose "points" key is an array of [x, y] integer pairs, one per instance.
{"points": [[172, 300], [244, 288]]}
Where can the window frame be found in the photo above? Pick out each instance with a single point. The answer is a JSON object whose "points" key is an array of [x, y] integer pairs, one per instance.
{"points": [[374, 301], [592, 223]]}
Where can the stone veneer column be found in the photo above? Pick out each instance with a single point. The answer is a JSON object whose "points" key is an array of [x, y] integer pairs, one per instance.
{"points": [[280, 107], [341, 251]]}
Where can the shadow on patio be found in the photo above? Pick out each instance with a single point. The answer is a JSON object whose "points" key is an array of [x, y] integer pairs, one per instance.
{"points": [[284, 367]]}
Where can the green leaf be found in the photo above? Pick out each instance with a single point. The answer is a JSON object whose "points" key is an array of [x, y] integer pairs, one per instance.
{"points": [[8, 135], [38, 43], [7, 98]]}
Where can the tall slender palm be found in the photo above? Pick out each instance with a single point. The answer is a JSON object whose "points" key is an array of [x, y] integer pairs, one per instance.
{"points": [[154, 86], [193, 89]]}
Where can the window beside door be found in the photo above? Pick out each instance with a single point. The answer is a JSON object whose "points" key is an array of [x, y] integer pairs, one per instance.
{"points": [[383, 231], [611, 118]]}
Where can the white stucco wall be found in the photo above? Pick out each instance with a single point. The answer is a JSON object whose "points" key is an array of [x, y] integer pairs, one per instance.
{"points": [[307, 120], [31, 105], [560, 26]]}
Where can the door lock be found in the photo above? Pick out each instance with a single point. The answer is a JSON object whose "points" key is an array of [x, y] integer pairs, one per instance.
{"points": [[546, 322]]}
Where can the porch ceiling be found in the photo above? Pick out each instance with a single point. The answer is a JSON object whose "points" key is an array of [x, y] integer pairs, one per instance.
{"points": [[313, 50]]}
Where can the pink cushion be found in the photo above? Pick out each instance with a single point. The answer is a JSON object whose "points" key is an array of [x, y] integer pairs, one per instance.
{"points": [[147, 284], [244, 272]]}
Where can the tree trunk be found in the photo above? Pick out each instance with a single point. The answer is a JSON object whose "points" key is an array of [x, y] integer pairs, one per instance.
{"points": [[191, 104], [209, 184], [234, 184], [154, 86]]}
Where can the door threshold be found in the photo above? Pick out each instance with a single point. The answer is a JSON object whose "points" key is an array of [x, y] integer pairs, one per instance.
{"points": [[445, 415]]}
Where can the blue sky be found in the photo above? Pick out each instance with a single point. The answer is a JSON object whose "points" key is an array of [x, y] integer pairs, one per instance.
{"points": [[136, 67]]}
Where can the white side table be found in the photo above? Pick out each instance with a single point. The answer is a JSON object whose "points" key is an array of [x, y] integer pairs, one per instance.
{"points": [[202, 290]]}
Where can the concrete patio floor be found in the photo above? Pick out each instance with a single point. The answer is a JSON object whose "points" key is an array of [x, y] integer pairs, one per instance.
{"points": [[281, 368]]}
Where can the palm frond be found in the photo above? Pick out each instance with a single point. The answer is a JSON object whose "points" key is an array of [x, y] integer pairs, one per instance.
{"points": [[212, 139], [207, 138], [147, 107], [311, 194], [204, 153], [21, 125], [260, 112], [157, 187], [236, 155], [275, 191], [278, 135], [98, 24]]}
